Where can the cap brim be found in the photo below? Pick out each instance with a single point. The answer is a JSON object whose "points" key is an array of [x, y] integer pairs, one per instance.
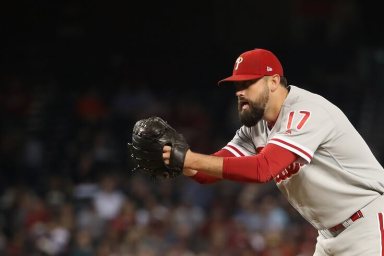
{"points": [[239, 78]]}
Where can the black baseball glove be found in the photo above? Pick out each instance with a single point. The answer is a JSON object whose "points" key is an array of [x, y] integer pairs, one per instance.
{"points": [[148, 139]]}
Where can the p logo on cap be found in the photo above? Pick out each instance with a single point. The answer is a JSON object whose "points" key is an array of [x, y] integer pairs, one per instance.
{"points": [[238, 61], [254, 64]]}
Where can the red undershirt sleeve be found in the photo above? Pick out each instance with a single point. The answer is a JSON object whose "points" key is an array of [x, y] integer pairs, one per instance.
{"points": [[260, 168], [207, 179]]}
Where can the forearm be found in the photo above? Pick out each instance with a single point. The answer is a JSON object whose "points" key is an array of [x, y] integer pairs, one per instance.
{"points": [[208, 164]]}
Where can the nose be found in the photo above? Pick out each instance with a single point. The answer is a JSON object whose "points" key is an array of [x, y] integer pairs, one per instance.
{"points": [[239, 92], [240, 88]]}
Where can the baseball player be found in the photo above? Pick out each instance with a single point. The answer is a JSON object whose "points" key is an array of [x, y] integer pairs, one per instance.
{"points": [[309, 148]]}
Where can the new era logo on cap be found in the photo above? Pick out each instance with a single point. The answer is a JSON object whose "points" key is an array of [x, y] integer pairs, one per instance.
{"points": [[255, 64]]}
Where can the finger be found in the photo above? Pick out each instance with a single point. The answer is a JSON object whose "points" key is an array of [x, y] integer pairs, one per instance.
{"points": [[166, 157], [167, 149]]}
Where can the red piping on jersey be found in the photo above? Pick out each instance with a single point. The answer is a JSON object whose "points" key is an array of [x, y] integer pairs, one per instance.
{"points": [[381, 221], [293, 146], [262, 167], [237, 150]]}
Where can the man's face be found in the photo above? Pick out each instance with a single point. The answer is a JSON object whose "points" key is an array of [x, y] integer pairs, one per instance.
{"points": [[252, 100]]}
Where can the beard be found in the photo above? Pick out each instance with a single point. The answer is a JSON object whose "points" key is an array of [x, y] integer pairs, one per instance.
{"points": [[250, 117], [255, 112]]}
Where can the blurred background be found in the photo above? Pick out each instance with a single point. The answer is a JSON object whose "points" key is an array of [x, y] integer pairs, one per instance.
{"points": [[76, 75]]}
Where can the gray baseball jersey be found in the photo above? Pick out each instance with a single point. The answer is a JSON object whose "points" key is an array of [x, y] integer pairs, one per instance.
{"points": [[336, 173]]}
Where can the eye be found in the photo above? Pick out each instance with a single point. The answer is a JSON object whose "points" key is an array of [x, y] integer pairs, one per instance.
{"points": [[242, 85]]}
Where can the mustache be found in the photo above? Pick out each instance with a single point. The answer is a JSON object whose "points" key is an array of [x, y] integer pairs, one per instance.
{"points": [[242, 100]]}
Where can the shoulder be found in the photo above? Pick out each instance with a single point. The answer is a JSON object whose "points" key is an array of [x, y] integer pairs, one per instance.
{"points": [[304, 107], [258, 129], [303, 100], [297, 95]]}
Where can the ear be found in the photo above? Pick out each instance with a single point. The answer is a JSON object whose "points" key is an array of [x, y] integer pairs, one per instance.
{"points": [[274, 82]]}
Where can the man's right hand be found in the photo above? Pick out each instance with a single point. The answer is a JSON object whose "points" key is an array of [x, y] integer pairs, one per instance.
{"points": [[166, 157]]}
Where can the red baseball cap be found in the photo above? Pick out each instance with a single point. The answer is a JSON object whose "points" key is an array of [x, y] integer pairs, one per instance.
{"points": [[254, 64]]}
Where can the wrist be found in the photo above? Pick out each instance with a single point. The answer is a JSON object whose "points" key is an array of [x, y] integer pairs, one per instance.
{"points": [[187, 160], [208, 164], [189, 172]]}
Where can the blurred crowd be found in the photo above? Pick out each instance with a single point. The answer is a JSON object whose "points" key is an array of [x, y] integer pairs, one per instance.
{"points": [[67, 186]]}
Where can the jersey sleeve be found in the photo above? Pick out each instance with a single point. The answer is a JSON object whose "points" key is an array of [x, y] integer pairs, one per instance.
{"points": [[303, 129], [247, 141], [261, 168]]}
